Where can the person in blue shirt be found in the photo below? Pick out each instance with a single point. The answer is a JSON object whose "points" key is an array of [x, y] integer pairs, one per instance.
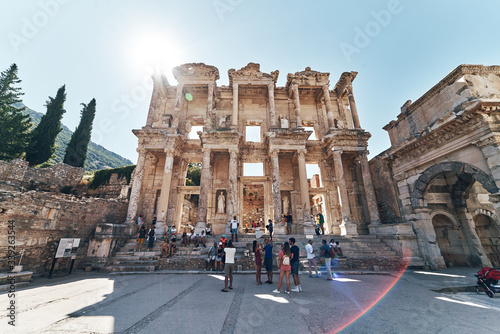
{"points": [[268, 260]]}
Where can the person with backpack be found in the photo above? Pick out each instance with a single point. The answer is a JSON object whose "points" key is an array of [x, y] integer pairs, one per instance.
{"points": [[284, 257], [326, 255]]}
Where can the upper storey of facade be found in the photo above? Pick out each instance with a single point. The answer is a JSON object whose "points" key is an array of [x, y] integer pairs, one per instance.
{"points": [[467, 87], [307, 102]]}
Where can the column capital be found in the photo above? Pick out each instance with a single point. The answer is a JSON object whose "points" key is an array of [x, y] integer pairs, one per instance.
{"points": [[301, 152], [337, 152], [274, 152], [206, 150], [233, 153], [348, 89], [141, 150], [169, 151]]}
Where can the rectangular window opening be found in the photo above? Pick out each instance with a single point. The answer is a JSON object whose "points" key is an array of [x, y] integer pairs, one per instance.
{"points": [[313, 135], [313, 175], [193, 134], [253, 169], [252, 133]]}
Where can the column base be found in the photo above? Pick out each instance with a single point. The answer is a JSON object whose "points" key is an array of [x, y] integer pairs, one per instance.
{"points": [[280, 229], [347, 228]]}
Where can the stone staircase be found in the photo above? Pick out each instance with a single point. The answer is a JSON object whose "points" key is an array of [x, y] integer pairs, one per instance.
{"points": [[363, 252]]}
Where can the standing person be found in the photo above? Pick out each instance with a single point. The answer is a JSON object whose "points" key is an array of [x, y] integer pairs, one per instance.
{"points": [[270, 228], [268, 260], [211, 256], [325, 253], [140, 221], [289, 219], [321, 221], [311, 258], [151, 238], [284, 264], [218, 257], [140, 239], [234, 229], [229, 265], [295, 264], [258, 261]]}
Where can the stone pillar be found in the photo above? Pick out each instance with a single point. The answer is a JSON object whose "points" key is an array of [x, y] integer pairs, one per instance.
{"points": [[296, 104], [346, 227], [426, 238], [304, 186], [328, 105], [231, 202], [210, 104], [178, 102], [352, 105], [165, 188], [235, 105], [135, 193], [204, 180], [369, 190], [272, 108], [276, 186], [478, 257]]}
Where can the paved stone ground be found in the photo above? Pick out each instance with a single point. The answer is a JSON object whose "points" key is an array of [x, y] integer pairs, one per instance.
{"points": [[419, 302]]}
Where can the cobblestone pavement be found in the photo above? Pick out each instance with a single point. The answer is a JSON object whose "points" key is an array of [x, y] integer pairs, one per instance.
{"points": [[419, 302]]}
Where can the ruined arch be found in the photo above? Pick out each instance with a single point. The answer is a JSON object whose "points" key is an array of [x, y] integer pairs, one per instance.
{"points": [[467, 172]]}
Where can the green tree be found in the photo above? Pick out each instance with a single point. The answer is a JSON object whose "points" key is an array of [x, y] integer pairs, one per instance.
{"points": [[14, 125], [42, 144], [193, 174], [76, 151]]}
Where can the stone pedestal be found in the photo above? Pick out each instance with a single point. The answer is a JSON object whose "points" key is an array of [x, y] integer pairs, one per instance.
{"points": [[348, 228]]}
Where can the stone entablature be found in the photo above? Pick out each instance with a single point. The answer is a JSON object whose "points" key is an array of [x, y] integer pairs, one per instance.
{"points": [[285, 116], [461, 90]]}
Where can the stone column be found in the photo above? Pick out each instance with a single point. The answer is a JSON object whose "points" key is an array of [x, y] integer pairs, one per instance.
{"points": [[276, 186], [178, 102], [165, 188], [296, 104], [231, 202], [346, 227], [235, 105], [204, 180], [135, 193], [352, 105], [328, 105], [369, 190], [210, 104], [272, 108], [304, 186], [478, 257]]}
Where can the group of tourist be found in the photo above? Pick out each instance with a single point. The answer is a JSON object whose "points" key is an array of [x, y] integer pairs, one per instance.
{"points": [[142, 235]]}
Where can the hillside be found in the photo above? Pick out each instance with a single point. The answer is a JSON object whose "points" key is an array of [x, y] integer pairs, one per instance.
{"points": [[97, 156]]}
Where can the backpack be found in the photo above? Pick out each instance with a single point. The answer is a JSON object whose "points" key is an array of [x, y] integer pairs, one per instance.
{"points": [[286, 260], [327, 250]]}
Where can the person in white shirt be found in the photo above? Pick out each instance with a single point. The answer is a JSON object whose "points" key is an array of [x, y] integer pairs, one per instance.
{"points": [[311, 258], [234, 229], [229, 265]]}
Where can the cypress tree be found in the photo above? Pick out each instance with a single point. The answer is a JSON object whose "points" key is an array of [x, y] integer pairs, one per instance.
{"points": [[14, 125], [76, 151], [42, 144]]}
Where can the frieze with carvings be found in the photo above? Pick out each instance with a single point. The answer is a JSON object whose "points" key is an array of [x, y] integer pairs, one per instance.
{"points": [[196, 70], [419, 146], [252, 71], [349, 138], [308, 78]]}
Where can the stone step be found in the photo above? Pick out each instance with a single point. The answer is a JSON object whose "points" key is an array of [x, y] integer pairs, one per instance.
{"points": [[125, 268]]}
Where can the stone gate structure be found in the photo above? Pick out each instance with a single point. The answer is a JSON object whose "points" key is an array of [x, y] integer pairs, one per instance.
{"points": [[308, 121], [438, 185]]}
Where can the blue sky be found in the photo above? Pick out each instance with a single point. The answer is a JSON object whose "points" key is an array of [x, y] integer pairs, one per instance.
{"points": [[107, 49]]}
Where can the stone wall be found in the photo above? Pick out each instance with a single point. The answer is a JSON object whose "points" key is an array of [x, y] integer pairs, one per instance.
{"points": [[40, 219], [16, 174]]}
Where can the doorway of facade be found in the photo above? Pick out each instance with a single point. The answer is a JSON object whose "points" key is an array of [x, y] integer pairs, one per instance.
{"points": [[489, 234], [253, 207], [450, 241]]}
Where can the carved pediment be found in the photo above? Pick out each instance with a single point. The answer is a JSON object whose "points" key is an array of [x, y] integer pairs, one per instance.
{"points": [[308, 77], [195, 70], [252, 72]]}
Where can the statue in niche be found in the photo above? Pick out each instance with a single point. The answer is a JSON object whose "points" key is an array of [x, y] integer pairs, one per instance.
{"points": [[221, 203], [285, 204]]}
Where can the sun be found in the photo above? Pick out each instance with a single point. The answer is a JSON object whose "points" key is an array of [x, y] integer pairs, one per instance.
{"points": [[154, 51]]}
